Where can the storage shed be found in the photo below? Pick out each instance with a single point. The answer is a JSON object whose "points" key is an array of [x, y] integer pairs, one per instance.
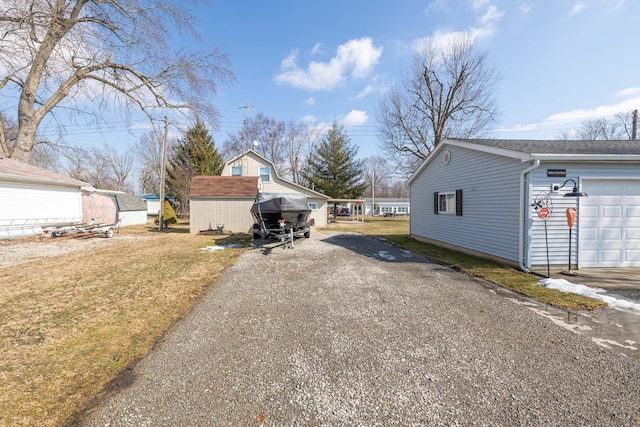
{"points": [[486, 197], [31, 197], [109, 207], [222, 201]]}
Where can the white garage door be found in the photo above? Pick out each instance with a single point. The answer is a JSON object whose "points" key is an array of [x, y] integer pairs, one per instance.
{"points": [[610, 224]]}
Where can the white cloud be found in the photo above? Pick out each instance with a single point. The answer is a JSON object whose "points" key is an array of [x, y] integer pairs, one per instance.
{"points": [[568, 121], [492, 15], [478, 4], [630, 91], [443, 39], [577, 8], [310, 100], [354, 59], [525, 8], [317, 49], [368, 90], [355, 118], [309, 119], [599, 111]]}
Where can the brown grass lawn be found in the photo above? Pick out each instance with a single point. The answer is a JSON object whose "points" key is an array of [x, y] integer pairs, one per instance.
{"points": [[69, 324]]}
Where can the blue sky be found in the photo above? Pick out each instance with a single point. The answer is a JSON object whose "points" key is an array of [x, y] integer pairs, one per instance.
{"points": [[561, 61]]}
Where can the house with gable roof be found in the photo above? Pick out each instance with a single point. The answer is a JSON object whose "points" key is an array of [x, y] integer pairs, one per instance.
{"points": [[505, 199], [227, 199]]}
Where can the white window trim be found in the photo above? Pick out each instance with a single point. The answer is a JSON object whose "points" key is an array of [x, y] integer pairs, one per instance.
{"points": [[313, 206], [450, 200], [236, 168], [261, 175]]}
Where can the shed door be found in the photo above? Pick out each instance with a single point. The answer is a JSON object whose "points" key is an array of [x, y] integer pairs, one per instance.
{"points": [[610, 224]]}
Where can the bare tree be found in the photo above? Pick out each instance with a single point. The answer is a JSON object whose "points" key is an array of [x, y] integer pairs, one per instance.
{"points": [[449, 94], [267, 132], [298, 142], [618, 127], [376, 171], [82, 54], [149, 152], [120, 165]]}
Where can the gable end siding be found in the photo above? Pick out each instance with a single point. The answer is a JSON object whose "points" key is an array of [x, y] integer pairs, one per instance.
{"points": [[491, 187]]}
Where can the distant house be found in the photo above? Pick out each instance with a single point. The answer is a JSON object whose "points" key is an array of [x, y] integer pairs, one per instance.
{"points": [[209, 208], [31, 197], [153, 203], [387, 206], [109, 207], [494, 197]]}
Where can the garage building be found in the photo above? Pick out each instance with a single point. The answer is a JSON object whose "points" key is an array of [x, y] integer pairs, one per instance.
{"points": [[494, 198]]}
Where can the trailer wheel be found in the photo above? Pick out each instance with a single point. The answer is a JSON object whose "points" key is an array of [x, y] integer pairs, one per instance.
{"points": [[109, 233]]}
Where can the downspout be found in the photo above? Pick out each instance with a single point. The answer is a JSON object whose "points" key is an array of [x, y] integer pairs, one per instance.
{"points": [[521, 224]]}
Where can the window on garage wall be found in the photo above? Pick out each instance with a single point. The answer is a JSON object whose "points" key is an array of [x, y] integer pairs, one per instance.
{"points": [[447, 202]]}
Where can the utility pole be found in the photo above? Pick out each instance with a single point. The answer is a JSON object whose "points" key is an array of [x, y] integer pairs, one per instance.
{"points": [[162, 173], [245, 107], [634, 129]]}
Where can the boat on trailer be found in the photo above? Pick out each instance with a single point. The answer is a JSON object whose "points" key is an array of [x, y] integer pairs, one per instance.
{"points": [[281, 216]]}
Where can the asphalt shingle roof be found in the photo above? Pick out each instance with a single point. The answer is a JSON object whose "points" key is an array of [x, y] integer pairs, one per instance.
{"points": [[13, 169], [560, 146], [224, 186]]}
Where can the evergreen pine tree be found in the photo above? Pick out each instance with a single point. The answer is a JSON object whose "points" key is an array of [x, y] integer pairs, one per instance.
{"points": [[333, 168], [195, 155]]}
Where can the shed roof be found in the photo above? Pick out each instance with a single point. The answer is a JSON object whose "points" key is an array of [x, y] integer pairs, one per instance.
{"points": [[224, 186], [18, 171]]}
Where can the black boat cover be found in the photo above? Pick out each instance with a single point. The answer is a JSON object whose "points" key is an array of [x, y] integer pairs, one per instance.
{"points": [[280, 202]]}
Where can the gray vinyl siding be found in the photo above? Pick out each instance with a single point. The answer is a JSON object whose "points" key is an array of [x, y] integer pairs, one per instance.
{"points": [[491, 194], [557, 228]]}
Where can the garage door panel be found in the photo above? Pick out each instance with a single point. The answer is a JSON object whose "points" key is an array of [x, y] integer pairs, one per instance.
{"points": [[632, 256], [611, 211], [609, 234], [588, 212], [612, 256], [633, 211], [632, 234]]}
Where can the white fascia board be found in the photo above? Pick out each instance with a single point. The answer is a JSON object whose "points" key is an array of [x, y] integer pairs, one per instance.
{"points": [[525, 157]]}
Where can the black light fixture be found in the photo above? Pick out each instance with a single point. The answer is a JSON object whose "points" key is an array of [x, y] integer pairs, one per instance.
{"points": [[574, 192]]}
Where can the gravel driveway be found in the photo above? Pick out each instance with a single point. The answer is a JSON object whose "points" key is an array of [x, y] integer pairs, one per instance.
{"points": [[346, 330]]}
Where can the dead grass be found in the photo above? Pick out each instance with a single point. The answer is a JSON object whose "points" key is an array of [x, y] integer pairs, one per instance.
{"points": [[396, 230], [70, 324]]}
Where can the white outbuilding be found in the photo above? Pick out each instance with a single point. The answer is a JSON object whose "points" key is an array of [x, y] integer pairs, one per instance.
{"points": [[31, 197]]}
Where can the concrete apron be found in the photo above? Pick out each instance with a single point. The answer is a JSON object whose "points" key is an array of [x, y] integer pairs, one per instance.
{"points": [[610, 327]]}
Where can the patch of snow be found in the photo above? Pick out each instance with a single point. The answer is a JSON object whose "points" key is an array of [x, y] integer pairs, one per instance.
{"points": [[566, 286], [217, 248], [386, 255]]}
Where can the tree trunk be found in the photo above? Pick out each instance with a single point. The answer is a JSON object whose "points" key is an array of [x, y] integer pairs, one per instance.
{"points": [[25, 139]]}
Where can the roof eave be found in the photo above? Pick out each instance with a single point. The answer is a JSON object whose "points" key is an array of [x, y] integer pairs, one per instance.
{"points": [[586, 157], [21, 178]]}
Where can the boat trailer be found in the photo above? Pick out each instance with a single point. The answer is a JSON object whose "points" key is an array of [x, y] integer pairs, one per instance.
{"points": [[90, 229]]}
